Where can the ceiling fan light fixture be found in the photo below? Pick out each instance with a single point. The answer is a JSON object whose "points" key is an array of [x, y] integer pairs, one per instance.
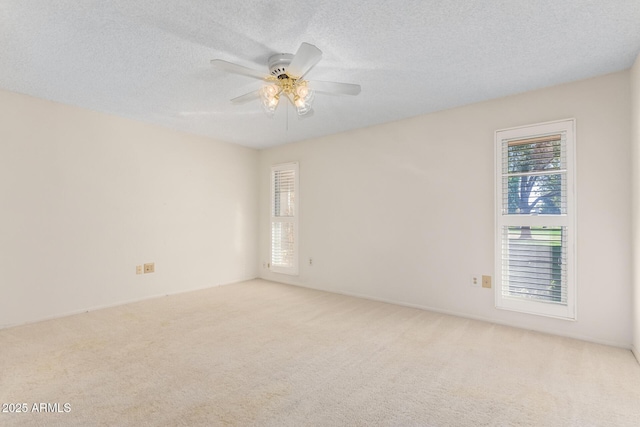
{"points": [[270, 108], [302, 90], [286, 78], [302, 97], [304, 113], [271, 90], [270, 96], [303, 107]]}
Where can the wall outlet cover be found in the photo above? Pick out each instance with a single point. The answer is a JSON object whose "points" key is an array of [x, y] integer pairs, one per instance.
{"points": [[475, 280], [486, 282]]}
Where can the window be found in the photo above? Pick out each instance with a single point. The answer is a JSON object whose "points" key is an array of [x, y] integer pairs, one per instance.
{"points": [[535, 219], [284, 218]]}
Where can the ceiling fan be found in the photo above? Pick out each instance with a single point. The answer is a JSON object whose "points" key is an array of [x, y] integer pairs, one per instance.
{"points": [[286, 79]]}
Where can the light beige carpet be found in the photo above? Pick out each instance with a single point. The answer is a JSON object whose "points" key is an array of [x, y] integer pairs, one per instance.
{"points": [[260, 353]]}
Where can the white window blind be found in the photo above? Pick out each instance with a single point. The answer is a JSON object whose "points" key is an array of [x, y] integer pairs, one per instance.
{"points": [[535, 212], [535, 267], [284, 218]]}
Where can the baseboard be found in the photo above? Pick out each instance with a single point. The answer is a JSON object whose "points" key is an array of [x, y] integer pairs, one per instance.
{"points": [[118, 304], [634, 350], [636, 353], [625, 346]]}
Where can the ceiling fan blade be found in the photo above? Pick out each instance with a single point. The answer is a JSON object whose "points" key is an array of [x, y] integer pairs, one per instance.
{"points": [[238, 69], [255, 94], [335, 87], [303, 61]]}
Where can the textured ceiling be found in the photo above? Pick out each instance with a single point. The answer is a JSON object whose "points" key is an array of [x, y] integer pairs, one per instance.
{"points": [[149, 60]]}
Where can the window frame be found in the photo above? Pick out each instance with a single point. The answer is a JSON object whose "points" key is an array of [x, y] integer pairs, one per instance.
{"points": [[568, 220], [294, 269]]}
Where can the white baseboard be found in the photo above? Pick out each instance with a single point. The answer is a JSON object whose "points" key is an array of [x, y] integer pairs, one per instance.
{"points": [[626, 346], [117, 304], [636, 353], [634, 350]]}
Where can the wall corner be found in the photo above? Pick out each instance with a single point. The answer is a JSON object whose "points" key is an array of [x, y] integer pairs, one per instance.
{"points": [[635, 203]]}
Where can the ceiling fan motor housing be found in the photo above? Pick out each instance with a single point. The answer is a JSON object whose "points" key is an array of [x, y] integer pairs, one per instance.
{"points": [[278, 64]]}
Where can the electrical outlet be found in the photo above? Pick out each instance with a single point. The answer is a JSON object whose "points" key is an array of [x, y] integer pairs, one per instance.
{"points": [[475, 281], [486, 282], [139, 269], [310, 261], [149, 268]]}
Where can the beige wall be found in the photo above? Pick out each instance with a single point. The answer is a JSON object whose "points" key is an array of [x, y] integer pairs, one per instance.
{"points": [[404, 212], [635, 141], [86, 197], [401, 212]]}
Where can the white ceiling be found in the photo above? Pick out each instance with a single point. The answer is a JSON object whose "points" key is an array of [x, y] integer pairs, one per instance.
{"points": [[149, 59]]}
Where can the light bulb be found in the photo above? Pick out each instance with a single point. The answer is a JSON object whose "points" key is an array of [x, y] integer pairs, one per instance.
{"points": [[270, 90], [302, 91], [302, 99], [302, 107], [270, 95]]}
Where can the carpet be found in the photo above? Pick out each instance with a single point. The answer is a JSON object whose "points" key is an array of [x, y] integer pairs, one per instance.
{"points": [[259, 353]]}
